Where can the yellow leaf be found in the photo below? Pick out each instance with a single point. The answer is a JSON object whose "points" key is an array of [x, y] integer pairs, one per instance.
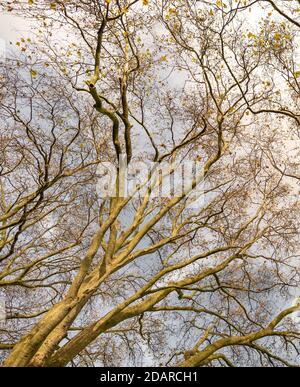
{"points": [[277, 36], [53, 6], [33, 73], [145, 2], [30, 2]]}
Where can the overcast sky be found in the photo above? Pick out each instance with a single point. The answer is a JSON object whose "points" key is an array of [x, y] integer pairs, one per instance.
{"points": [[11, 28]]}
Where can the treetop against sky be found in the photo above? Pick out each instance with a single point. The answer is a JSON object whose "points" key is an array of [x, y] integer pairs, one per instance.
{"points": [[204, 275]]}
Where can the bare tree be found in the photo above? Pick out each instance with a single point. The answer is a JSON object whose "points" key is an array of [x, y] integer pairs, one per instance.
{"points": [[205, 277]]}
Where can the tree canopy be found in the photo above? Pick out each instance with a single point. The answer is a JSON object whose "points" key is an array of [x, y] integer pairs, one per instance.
{"points": [[207, 277]]}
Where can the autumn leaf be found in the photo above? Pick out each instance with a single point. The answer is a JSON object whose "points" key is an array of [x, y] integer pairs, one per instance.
{"points": [[33, 73]]}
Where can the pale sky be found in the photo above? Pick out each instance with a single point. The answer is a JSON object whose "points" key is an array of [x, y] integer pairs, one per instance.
{"points": [[9, 25], [12, 27]]}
